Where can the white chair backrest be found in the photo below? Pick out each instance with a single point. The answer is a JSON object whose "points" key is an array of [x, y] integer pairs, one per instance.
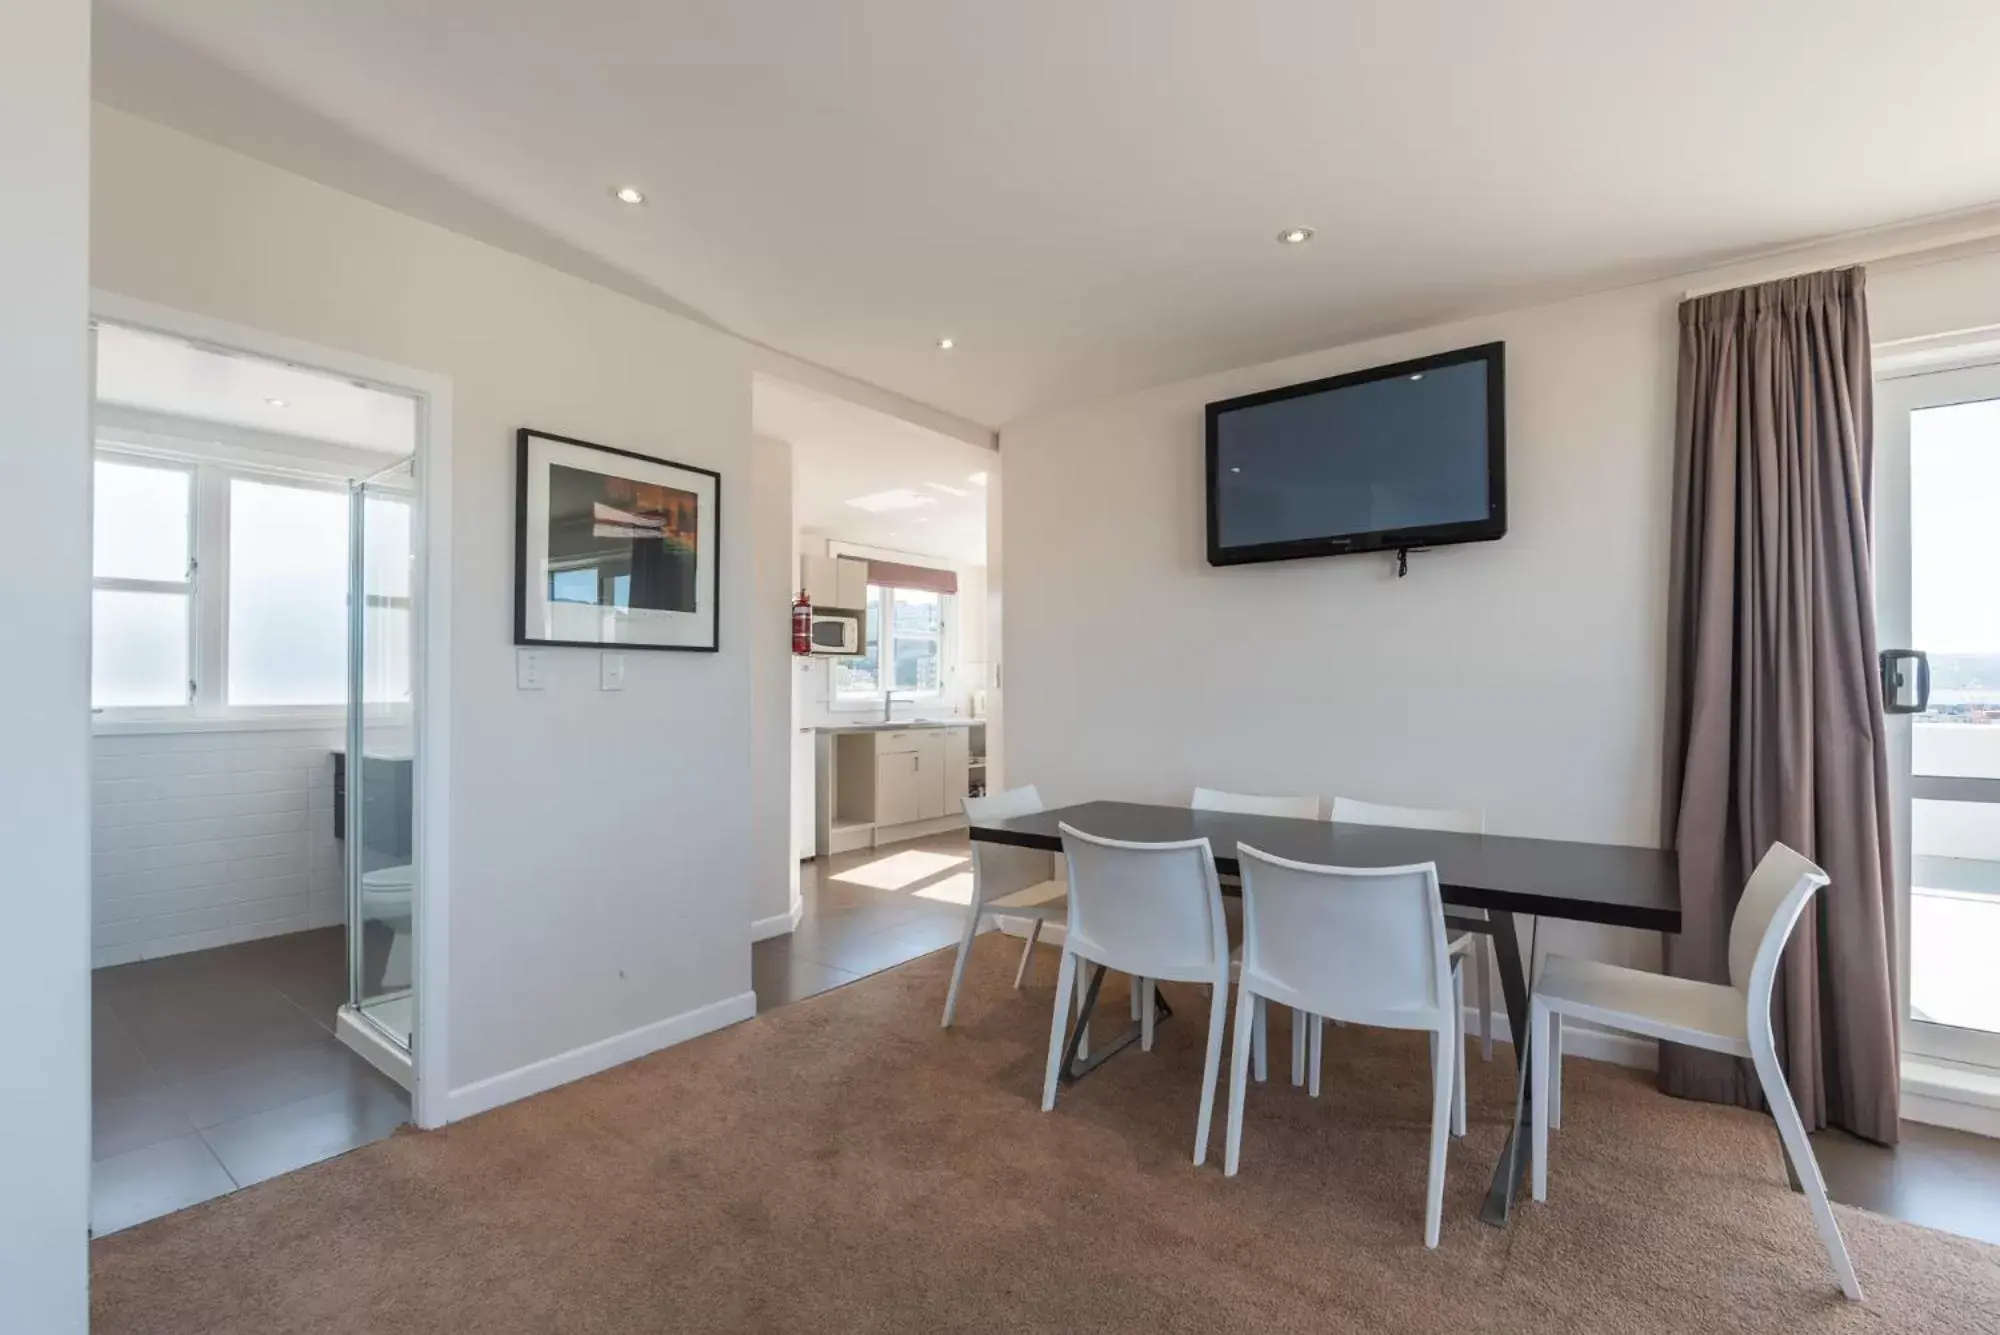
{"points": [[1249, 804], [1776, 894], [1150, 910], [1364, 944], [999, 869], [1356, 812]]}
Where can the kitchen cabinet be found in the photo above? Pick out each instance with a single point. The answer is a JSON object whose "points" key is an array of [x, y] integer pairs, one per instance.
{"points": [[874, 785], [835, 581], [909, 777], [957, 769]]}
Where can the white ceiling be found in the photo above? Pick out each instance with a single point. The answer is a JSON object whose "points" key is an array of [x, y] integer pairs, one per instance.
{"points": [[843, 452], [157, 374], [1085, 195]]}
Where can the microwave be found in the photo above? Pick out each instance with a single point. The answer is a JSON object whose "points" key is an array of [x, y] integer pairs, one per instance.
{"points": [[836, 633]]}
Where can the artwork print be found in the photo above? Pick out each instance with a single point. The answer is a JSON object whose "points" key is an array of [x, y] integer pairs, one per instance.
{"points": [[613, 547]]}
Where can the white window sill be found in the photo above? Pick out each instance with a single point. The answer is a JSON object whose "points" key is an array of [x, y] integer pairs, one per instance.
{"points": [[112, 725]]}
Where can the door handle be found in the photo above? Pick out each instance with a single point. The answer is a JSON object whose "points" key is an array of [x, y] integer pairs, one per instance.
{"points": [[1906, 681]]}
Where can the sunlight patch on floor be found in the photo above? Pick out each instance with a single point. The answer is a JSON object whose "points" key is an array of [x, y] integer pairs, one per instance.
{"points": [[951, 890], [899, 871]]}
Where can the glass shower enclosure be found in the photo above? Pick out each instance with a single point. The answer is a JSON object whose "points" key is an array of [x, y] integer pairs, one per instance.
{"points": [[381, 753]]}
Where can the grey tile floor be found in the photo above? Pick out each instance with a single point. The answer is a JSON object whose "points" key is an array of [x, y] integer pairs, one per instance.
{"points": [[864, 912], [219, 1068]]}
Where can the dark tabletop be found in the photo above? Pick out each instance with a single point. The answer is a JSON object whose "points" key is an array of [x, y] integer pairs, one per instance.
{"points": [[1551, 878]]}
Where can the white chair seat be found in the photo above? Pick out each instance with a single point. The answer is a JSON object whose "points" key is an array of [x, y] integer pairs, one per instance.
{"points": [[1047, 895], [1681, 1010]]}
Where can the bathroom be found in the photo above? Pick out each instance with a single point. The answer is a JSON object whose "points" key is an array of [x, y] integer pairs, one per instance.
{"points": [[254, 805]]}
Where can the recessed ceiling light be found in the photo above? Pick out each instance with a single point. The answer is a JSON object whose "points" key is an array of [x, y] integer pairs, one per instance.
{"points": [[1418, 376], [630, 194], [1235, 470], [946, 344], [977, 479], [1296, 236], [277, 403]]}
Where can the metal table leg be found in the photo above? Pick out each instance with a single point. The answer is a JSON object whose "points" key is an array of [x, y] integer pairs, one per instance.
{"points": [[1514, 989], [1073, 1069]]}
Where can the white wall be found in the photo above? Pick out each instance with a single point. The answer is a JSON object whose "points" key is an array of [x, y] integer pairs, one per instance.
{"points": [[44, 678], [200, 839], [1524, 676], [774, 875], [600, 841]]}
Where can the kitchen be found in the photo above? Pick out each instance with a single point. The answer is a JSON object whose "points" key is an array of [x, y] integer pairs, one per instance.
{"points": [[892, 696]]}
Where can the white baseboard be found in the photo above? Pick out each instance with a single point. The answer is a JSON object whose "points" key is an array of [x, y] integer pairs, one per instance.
{"points": [[494, 1091], [778, 924], [1578, 1040], [366, 1042]]}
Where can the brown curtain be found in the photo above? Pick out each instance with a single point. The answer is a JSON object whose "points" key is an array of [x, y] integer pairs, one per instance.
{"points": [[1774, 716]]}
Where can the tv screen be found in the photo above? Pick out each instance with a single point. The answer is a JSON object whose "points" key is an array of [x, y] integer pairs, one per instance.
{"points": [[1397, 457]]}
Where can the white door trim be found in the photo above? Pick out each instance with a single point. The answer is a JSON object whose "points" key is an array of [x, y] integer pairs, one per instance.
{"points": [[431, 1056]]}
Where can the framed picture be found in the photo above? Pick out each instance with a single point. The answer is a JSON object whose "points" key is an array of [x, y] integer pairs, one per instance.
{"points": [[613, 549]]}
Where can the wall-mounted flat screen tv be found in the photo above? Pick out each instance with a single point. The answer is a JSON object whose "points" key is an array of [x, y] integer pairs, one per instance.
{"points": [[1389, 459]]}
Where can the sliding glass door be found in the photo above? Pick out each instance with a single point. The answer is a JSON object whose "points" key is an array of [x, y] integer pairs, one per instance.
{"points": [[1938, 586]]}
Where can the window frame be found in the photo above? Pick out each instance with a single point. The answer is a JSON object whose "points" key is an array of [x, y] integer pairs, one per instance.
{"points": [[190, 585], [885, 655], [211, 475]]}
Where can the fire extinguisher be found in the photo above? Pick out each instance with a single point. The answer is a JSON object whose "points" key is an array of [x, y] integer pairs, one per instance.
{"points": [[802, 624]]}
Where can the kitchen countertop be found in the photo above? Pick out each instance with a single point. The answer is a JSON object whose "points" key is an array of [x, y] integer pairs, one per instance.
{"points": [[898, 725]]}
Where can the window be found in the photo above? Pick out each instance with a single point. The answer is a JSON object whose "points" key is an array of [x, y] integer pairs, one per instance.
{"points": [[915, 647], [287, 594], [142, 585], [221, 590]]}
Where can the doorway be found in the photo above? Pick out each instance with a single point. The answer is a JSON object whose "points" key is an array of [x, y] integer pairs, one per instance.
{"points": [[259, 617], [1938, 592]]}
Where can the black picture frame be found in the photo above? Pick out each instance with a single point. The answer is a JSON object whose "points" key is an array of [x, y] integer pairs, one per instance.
{"points": [[712, 523], [1488, 529]]}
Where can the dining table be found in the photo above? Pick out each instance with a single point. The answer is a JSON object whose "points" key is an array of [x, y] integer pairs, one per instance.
{"points": [[1489, 883]]}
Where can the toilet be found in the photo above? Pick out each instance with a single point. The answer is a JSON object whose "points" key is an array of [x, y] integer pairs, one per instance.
{"points": [[386, 899]]}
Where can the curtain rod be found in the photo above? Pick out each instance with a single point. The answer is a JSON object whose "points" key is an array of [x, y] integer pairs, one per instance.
{"points": [[1882, 255]]}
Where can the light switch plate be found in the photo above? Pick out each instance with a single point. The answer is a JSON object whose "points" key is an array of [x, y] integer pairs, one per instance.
{"points": [[611, 672], [528, 670]]}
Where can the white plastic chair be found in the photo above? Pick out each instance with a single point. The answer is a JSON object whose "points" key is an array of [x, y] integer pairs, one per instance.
{"points": [[1250, 804], [1007, 882], [1458, 821], [1734, 1018], [1366, 945], [1153, 911], [1254, 804]]}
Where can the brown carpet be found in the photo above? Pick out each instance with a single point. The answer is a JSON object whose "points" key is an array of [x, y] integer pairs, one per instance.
{"points": [[841, 1164]]}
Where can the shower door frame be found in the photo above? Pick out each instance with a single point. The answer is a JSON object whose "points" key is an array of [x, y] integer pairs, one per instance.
{"points": [[357, 736], [430, 647]]}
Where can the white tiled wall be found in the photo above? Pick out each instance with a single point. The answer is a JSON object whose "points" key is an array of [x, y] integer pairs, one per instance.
{"points": [[204, 838]]}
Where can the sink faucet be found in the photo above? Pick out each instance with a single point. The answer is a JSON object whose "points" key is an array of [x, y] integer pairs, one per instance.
{"points": [[888, 705]]}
